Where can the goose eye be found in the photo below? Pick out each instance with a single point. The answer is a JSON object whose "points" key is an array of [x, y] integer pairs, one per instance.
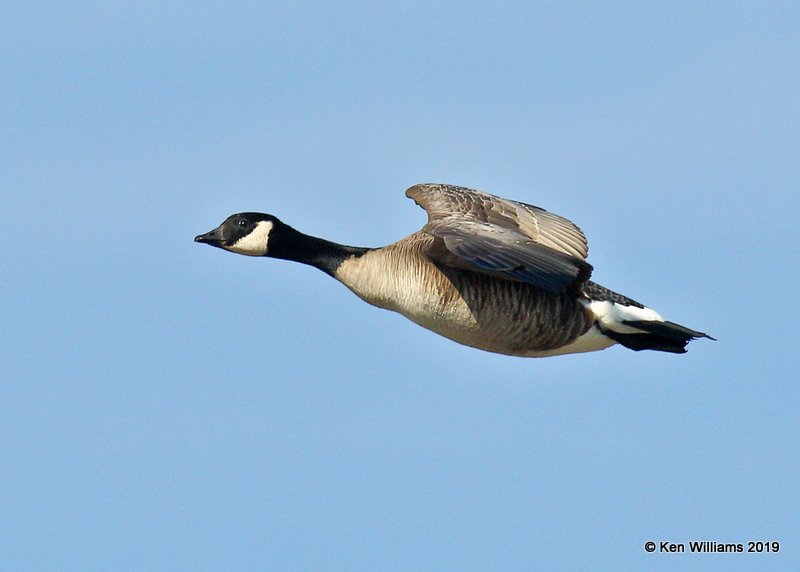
{"points": [[242, 223]]}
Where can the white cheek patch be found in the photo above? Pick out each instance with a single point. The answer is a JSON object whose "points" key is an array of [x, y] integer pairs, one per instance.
{"points": [[255, 243]]}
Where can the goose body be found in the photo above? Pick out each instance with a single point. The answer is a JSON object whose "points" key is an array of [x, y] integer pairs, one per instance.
{"points": [[486, 272]]}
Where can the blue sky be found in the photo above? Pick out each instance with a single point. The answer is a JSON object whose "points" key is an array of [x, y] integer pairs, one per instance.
{"points": [[166, 406]]}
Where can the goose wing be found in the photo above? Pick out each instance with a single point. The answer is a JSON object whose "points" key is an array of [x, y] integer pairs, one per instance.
{"points": [[501, 237]]}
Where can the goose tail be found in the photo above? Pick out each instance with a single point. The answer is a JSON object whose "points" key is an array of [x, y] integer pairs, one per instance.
{"points": [[636, 326], [660, 336]]}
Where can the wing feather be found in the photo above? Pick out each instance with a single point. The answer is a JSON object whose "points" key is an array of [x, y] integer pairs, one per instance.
{"points": [[495, 235]]}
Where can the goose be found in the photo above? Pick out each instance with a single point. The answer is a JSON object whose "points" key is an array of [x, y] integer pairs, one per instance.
{"points": [[491, 273]]}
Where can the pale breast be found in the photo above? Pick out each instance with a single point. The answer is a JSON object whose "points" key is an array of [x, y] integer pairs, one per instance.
{"points": [[399, 278]]}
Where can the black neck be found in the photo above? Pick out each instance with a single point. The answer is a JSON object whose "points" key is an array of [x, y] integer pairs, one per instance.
{"points": [[290, 244]]}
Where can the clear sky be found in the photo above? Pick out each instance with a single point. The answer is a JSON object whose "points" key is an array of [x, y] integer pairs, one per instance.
{"points": [[168, 406]]}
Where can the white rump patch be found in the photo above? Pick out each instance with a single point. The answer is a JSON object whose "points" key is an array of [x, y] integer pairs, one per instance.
{"points": [[611, 316], [254, 243]]}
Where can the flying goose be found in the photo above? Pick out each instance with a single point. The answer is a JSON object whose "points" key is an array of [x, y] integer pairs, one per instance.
{"points": [[487, 272]]}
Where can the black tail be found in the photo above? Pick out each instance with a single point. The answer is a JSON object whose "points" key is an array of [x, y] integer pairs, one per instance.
{"points": [[659, 336]]}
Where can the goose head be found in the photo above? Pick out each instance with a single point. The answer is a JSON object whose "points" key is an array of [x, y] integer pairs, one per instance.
{"points": [[243, 233]]}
